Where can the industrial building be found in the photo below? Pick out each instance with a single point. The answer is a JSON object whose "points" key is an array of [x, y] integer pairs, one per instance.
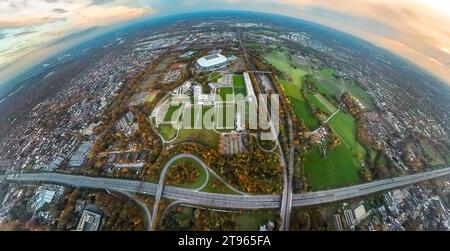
{"points": [[80, 155], [211, 62], [89, 221]]}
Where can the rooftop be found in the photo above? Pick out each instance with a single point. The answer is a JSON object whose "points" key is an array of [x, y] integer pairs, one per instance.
{"points": [[211, 60]]}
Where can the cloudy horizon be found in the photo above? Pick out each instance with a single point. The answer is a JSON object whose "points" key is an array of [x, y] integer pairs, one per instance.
{"points": [[417, 30]]}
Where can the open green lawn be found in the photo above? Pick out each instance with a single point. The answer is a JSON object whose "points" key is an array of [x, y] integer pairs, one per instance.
{"points": [[238, 81], [292, 90], [167, 132], [251, 221], [360, 93], [203, 136], [226, 93], [282, 61], [432, 155], [173, 109], [321, 103], [304, 112], [329, 86], [201, 178], [252, 45], [344, 125], [216, 186], [240, 90], [273, 46], [327, 73], [337, 169]]}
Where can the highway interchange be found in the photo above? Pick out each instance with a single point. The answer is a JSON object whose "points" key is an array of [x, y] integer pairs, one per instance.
{"points": [[194, 197]]}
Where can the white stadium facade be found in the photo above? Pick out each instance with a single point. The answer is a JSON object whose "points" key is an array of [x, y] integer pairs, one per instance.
{"points": [[212, 62]]}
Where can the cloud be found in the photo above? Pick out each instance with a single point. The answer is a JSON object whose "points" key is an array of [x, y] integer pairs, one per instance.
{"points": [[18, 22], [59, 10]]}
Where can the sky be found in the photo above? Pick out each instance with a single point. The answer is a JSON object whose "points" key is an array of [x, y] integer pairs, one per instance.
{"points": [[33, 30]]}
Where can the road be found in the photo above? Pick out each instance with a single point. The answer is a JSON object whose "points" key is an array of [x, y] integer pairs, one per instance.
{"points": [[160, 187], [226, 200], [288, 165], [143, 206]]}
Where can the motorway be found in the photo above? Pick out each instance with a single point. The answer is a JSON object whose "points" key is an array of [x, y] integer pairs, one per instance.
{"points": [[225, 200]]}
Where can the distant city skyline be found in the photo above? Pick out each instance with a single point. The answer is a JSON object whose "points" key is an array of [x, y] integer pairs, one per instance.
{"points": [[32, 31]]}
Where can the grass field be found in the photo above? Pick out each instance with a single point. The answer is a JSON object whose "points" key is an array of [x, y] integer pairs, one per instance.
{"points": [[203, 136], [251, 221], [214, 76], [252, 45], [223, 112], [164, 64], [292, 90], [273, 46], [304, 112], [201, 178], [329, 86], [148, 83], [328, 73], [321, 103], [167, 132], [226, 94], [359, 93], [240, 90], [238, 81], [345, 125], [433, 156], [292, 87], [338, 168], [173, 109], [219, 188], [197, 116], [281, 61]]}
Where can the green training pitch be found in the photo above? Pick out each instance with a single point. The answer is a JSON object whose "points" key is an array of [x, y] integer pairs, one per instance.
{"points": [[196, 115], [226, 94], [238, 81], [174, 110], [240, 90], [225, 115]]}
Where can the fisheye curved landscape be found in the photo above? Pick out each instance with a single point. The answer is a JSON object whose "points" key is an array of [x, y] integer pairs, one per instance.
{"points": [[225, 116]]}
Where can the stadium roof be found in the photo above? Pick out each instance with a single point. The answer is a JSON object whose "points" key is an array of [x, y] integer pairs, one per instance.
{"points": [[211, 60]]}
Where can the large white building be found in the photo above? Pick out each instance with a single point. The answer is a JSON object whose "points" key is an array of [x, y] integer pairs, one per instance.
{"points": [[251, 97], [211, 62]]}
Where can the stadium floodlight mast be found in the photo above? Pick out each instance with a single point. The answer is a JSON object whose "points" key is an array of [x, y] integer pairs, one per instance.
{"points": [[226, 114]]}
